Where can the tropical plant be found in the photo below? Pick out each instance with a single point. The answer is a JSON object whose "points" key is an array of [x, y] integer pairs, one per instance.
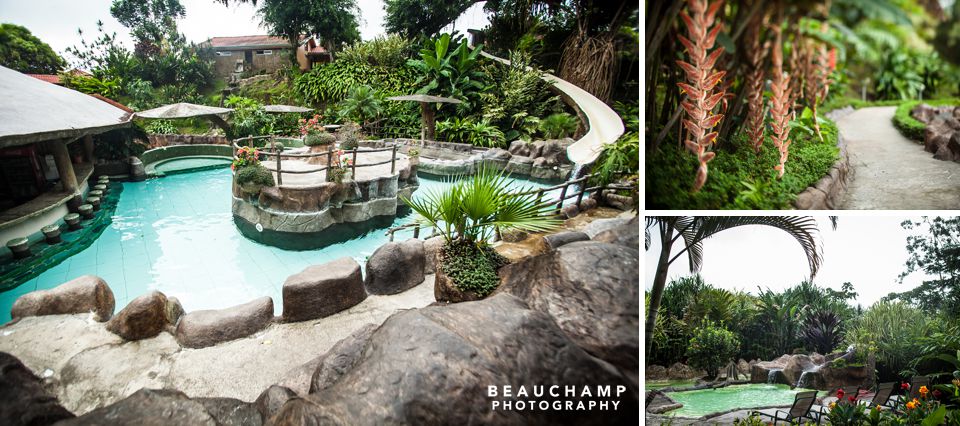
{"points": [[479, 133], [160, 127], [362, 105], [517, 96], [701, 81], [693, 230], [780, 101], [559, 125], [246, 156], [934, 249], [898, 77], [472, 207], [450, 72], [622, 157], [753, 85], [332, 82], [823, 331], [471, 267], [711, 347], [896, 329], [412, 18], [22, 51]]}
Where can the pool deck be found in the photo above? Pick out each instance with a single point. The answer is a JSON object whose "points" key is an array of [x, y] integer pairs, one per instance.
{"points": [[315, 178], [68, 352]]}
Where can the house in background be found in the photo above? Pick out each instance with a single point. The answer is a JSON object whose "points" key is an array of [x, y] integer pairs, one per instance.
{"points": [[257, 54]]}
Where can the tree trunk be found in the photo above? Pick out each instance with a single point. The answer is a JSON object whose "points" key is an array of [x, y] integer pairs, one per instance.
{"points": [[659, 283]]}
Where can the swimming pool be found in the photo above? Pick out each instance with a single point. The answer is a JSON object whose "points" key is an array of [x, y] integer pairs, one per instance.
{"points": [[699, 403], [176, 235]]}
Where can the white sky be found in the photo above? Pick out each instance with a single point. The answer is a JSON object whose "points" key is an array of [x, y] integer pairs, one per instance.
{"points": [[869, 252], [56, 21]]}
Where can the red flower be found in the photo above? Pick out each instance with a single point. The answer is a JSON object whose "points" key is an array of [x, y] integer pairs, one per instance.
{"points": [[852, 398], [839, 393], [936, 393], [904, 386]]}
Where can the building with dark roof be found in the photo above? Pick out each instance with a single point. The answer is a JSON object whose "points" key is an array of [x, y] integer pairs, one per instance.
{"points": [[257, 54]]}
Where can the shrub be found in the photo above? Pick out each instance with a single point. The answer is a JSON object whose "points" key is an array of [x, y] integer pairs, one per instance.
{"points": [[160, 127], [518, 96], [390, 50], [333, 82], [255, 174], [362, 105], [318, 138], [249, 118], [472, 132], [559, 125], [910, 127], [246, 156], [896, 329], [711, 347], [823, 331], [622, 157], [472, 267]]}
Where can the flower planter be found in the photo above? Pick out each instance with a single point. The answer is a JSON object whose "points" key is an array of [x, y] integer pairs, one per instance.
{"points": [[445, 290]]}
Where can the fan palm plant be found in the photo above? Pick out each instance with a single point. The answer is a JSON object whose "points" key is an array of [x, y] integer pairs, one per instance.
{"points": [[693, 230], [361, 105], [472, 207]]}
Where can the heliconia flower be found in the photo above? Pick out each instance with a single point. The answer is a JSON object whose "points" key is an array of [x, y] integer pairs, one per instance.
{"points": [[701, 81], [923, 391]]}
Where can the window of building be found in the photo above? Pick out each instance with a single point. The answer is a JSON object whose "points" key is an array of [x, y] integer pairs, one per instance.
{"points": [[264, 52], [224, 53]]}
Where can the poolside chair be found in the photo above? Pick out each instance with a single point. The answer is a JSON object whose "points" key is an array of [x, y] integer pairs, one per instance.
{"points": [[882, 396], [798, 411], [916, 382]]}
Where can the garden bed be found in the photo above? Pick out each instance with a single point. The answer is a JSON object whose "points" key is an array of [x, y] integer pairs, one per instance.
{"points": [[910, 127], [740, 178]]}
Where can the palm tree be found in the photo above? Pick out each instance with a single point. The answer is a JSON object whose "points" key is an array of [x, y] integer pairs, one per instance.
{"points": [[362, 104], [693, 230]]}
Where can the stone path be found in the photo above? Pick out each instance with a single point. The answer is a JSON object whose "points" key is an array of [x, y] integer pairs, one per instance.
{"points": [[88, 367], [892, 172]]}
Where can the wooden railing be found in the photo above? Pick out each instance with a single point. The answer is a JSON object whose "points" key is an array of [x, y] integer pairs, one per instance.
{"points": [[564, 195], [278, 169]]}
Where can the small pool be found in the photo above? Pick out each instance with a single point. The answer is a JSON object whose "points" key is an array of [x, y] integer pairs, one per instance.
{"points": [[186, 164], [176, 234], [699, 403]]}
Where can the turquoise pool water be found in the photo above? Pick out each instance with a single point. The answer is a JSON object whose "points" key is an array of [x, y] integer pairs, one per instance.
{"points": [[180, 165], [660, 384], [176, 235], [699, 403]]}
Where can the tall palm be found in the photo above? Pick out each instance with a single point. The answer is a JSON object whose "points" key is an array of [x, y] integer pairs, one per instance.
{"points": [[691, 231]]}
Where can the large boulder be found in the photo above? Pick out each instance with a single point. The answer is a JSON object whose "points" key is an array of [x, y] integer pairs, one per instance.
{"points": [[497, 154], [340, 359], [231, 411], [142, 318], [88, 293], [436, 365], [939, 137], [681, 371], [590, 289], [149, 407], [559, 239], [795, 366], [323, 290], [271, 399], [431, 247], [655, 372], [627, 235], [519, 148], [395, 267], [23, 400], [599, 225], [200, 329]]}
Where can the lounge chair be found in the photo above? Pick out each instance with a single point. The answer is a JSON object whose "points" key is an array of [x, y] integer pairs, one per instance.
{"points": [[916, 382], [882, 396], [799, 410]]}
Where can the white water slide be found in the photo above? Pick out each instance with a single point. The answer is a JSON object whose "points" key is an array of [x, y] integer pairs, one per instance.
{"points": [[603, 124]]}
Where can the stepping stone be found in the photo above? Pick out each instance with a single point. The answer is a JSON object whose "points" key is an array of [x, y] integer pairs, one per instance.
{"points": [[323, 290], [51, 233], [86, 210], [199, 329], [73, 221], [95, 202], [20, 247]]}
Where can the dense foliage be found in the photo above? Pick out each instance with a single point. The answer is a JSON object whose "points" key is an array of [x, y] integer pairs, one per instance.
{"points": [[741, 178], [412, 18], [256, 175], [472, 267], [22, 51], [449, 67], [334, 21]]}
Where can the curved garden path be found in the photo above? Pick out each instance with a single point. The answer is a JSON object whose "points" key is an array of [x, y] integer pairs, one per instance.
{"points": [[892, 172]]}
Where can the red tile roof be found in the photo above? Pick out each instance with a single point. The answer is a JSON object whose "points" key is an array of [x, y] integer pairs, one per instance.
{"points": [[249, 41], [49, 78]]}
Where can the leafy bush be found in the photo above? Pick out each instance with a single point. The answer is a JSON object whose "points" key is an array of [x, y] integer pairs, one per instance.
{"points": [[898, 77], [160, 127], [319, 138], [735, 169], [246, 156], [479, 133], [107, 87], [249, 118], [712, 347], [471, 267], [254, 174], [362, 105], [517, 97], [450, 72], [559, 125], [822, 331], [390, 50], [332, 82]]}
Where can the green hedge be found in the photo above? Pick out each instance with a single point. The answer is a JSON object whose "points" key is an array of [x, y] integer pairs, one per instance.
{"points": [[738, 177], [910, 127]]}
